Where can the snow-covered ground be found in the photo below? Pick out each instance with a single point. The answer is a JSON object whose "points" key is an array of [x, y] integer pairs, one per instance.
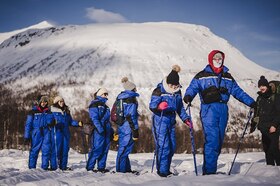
{"points": [[249, 169]]}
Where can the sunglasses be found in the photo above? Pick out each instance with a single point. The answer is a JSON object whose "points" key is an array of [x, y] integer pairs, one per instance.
{"points": [[105, 94]]}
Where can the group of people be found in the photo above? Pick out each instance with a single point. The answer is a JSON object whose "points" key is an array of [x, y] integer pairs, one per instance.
{"points": [[49, 129]]}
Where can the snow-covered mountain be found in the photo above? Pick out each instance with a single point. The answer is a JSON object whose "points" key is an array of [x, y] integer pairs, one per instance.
{"points": [[80, 59], [7, 35]]}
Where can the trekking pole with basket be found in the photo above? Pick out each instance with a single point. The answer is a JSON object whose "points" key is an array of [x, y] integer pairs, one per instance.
{"points": [[192, 140], [156, 139], [241, 139]]}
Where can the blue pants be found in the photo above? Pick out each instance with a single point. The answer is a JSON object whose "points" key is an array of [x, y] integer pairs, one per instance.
{"points": [[40, 141], [125, 148], [60, 149], [165, 140], [214, 119], [99, 151]]}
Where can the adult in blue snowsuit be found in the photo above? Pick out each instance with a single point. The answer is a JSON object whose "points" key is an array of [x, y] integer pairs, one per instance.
{"points": [[128, 130], [100, 116], [38, 130], [165, 102], [61, 133], [215, 85]]}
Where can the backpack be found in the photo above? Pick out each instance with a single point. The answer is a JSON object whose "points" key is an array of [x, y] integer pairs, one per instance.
{"points": [[275, 86], [117, 113], [88, 128]]}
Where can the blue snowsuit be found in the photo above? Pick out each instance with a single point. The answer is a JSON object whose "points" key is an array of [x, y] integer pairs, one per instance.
{"points": [[126, 142], [61, 137], [38, 130], [164, 125], [100, 116], [214, 91]]}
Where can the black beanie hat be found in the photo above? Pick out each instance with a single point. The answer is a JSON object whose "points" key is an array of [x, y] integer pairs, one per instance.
{"points": [[173, 77], [263, 82]]}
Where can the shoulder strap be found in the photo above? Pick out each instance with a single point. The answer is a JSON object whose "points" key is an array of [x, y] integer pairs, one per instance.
{"points": [[129, 100], [219, 80], [104, 111], [98, 103], [273, 97]]}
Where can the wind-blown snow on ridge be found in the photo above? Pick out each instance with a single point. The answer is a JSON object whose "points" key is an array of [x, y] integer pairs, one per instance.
{"points": [[80, 59], [7, 35]]}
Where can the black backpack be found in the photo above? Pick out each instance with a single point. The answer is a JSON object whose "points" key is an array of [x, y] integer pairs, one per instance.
{"points": [[117, 113], [275, 86]]}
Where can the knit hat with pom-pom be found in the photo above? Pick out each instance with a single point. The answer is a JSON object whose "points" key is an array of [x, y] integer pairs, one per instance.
{"points": [[57, 99], [173, 77], [263, 82], [127, 85]]}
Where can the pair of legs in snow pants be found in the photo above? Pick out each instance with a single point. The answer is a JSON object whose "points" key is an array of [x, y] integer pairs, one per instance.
{"points": [[214, 119], [270, 143], [60, 149], [99, 151], [41, 140], [126, 144], [165, 142]]}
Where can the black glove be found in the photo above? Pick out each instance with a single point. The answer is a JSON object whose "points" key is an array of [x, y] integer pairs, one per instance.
{"points": [[253, 127], [253, 105], [26, 141], [223, 90], [52, 124], [188, 100], [135, 134]]}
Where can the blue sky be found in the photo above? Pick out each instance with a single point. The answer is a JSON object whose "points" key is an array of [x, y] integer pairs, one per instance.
{"points": [[252, 26]]}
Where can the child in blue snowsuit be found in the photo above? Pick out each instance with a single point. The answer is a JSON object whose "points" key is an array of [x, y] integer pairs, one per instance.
{"points": [[38, 130], [100, 116], [166, 101], [61, 134], [128, 130], [215, 85]]}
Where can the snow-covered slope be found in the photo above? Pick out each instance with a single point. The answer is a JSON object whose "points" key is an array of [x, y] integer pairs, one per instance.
{"points": [[80, 59], [249, 169], [7, 35]]}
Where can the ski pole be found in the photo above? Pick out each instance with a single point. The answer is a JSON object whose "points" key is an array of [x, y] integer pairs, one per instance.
{"points": [[192, 140], [156, 139], [83, 141], [241, 139], [55, 146]]}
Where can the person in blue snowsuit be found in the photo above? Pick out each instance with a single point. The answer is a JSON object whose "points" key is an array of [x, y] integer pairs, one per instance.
{"points": [[128, 130], [100, 116], [61, 134], [215, 85], [38, 130], [165, 102]]}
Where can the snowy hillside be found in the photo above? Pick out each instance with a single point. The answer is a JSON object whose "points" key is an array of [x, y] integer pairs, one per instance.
{"points": [[249, 169], [80, 59]]}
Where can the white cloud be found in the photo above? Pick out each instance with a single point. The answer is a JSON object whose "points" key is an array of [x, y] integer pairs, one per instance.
{"points": [[103, 16]]}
